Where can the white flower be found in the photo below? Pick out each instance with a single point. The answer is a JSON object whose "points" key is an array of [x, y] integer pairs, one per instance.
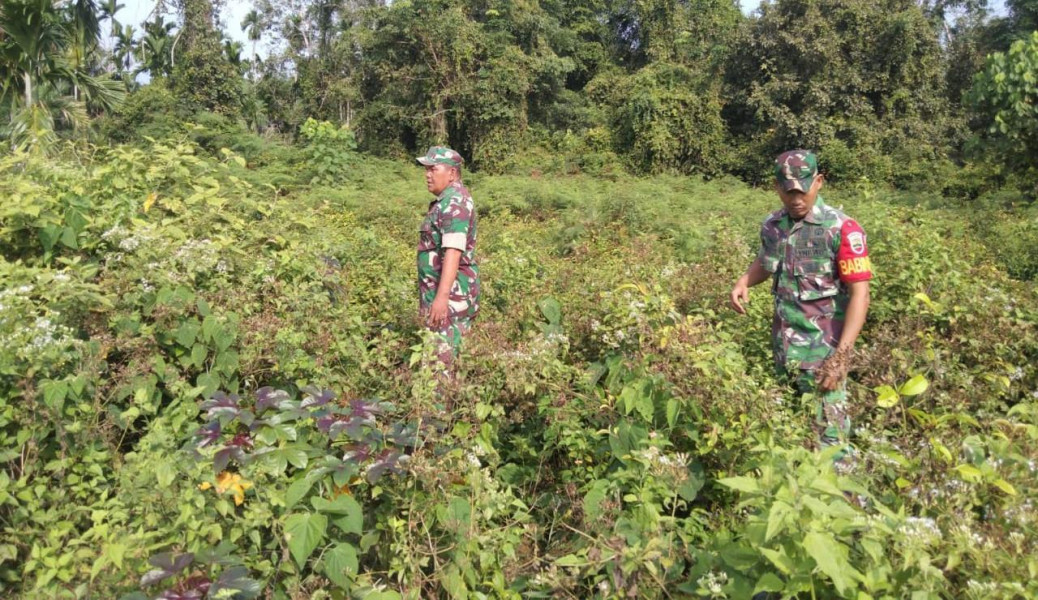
{"points": [[130, 244], [922, 530], [713, 582]]}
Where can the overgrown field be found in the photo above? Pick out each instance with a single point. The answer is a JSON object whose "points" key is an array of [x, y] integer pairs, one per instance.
{"points": [[212, 385]]}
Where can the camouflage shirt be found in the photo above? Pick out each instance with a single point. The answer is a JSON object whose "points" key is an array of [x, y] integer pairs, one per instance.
{"points": [[449, 223], [811, 260]]}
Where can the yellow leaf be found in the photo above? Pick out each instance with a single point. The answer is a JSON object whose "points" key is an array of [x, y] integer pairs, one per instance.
{"points": [[232, 482], [888, 397], [150, 201], [205, 485]]}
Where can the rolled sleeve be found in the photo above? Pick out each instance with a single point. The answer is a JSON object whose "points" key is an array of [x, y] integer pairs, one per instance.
{"points": [[456, 241]]}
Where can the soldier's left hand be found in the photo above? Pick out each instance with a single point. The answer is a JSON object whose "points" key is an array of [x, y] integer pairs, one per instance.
{"points": [[438, 312], [833, 371]]}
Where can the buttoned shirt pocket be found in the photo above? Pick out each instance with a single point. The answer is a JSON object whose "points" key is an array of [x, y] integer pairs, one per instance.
{"points": [[815, 280]]}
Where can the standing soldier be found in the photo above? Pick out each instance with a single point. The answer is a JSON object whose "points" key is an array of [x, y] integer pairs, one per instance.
{"points": [[819, 264], [448, 276]]}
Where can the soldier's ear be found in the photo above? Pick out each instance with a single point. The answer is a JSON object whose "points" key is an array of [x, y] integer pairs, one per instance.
{"points": [[819, 181]]}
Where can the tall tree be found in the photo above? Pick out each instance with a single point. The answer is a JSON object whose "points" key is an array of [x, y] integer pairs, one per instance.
{"points": [[39, 84], [1006, 95], [154, 50], [124, 47], [252, 25], [860, 81], [201, 73]]}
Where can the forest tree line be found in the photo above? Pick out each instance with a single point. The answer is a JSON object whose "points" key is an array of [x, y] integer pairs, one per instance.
{"points": [[898, 91]]}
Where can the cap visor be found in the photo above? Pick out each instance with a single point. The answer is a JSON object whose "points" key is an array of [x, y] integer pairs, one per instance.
{"points": [[425, 161], [800, 185]]}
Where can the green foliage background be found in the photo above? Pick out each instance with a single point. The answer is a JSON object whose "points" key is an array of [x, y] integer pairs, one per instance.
{"points": [[614, 430], [213, 383]]}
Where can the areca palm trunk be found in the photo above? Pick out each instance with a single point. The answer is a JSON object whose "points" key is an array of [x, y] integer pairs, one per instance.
{"points": [[28, 88]]}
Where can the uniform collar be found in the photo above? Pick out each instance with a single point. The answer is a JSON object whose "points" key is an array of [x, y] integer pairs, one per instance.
{"points": [[815, 217], [447, 191]]}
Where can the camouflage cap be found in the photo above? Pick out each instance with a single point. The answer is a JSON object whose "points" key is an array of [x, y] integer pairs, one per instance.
{"points": [[441, 155], [796, 170]]}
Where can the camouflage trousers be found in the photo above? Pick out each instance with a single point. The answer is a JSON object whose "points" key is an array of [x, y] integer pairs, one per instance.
{"points": [[448, 340], [832, 423]]}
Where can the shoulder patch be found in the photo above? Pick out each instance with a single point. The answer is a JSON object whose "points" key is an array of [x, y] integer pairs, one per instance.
{"points": [[853, 257], [856, 240]]}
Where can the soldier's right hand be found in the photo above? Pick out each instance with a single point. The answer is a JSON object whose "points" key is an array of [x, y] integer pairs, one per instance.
{"points": [[740, 295]]}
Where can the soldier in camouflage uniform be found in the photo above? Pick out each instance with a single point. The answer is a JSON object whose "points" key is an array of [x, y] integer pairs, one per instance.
{"points": [[818, 262], [448, 276]]}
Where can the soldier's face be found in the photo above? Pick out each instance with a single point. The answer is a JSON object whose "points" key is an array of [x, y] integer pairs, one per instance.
{"points": [[438, 177], [798, 204]]}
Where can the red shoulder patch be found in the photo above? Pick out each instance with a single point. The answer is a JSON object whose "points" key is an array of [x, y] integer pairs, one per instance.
{"points": [[853, 256]]}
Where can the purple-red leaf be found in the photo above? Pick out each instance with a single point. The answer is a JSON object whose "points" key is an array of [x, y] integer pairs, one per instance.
{"points": [[268, 397], [316, 397]]}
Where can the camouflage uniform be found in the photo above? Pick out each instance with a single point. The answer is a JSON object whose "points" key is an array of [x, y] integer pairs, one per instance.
{"points": [[811, 261], [450, 222]]}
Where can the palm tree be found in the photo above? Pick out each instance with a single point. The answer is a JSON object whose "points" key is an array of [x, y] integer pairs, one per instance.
{"points": [[153, 49], [252, 25], [232, 52], [123, 51], [43, 68], [109, 8]]}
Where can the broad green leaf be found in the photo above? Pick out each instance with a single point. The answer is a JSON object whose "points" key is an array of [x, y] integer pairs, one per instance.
{"points": [[915, 386], [164, 473], [350, 515], [551, 309], [295, 456], [941, 449], [454, 583], [54, 393], [777, 517], [695, 482], [303, 533], [198, 355], [887, 397], [739, 556], [643, 404], [742, 484], [593, 500], [672, 411], [769, 582], [210, 325], [341, 564], [209, 381], [829, 556], [1005, 486], [296, 491], [969, 473], [187, 332]]}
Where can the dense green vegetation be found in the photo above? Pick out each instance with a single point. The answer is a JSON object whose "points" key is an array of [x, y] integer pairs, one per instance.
{"points": [[213, 378], [897, 91], [213, 383]]}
